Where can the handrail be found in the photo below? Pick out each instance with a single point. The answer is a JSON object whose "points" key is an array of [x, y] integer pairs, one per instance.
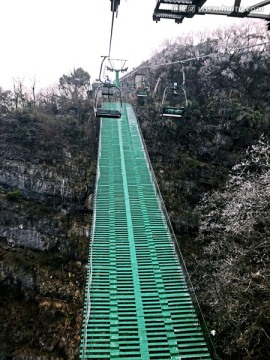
{"points": [[89, 264]]}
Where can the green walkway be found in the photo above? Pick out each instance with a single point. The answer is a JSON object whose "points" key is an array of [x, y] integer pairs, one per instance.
{"points": [[136, 301]]}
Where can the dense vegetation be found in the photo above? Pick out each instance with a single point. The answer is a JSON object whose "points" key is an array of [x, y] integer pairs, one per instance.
{"points": [[213, 170], [48, 143]]}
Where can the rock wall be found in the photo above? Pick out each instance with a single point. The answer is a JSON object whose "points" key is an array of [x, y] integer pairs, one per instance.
{"points": [[46, 191]]}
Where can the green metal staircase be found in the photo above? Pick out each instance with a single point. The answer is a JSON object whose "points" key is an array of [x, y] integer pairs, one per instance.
{"points": [[137, 305]]}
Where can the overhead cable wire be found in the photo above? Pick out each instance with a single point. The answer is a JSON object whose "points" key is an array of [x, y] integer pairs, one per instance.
{"points": [[110, 45], [195, 58], [213, 54]]}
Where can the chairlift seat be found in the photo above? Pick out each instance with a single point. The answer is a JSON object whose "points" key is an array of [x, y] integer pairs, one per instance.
{"points": [[173, 111], [142, 93], [102, 113]]}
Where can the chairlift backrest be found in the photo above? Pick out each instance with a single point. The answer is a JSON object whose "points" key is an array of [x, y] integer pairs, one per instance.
{"points": [[112, 114], [107, 89]]}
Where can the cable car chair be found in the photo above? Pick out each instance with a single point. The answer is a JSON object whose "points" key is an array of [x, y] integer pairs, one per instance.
{"points": [[142, 90], [175, 91], [104, 98], [102, 108]]}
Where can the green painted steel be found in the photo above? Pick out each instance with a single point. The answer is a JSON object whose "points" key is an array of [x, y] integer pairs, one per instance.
{"points": [[137, 305]]}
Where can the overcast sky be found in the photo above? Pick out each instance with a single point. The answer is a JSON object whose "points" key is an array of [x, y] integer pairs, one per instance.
{"points": [[44, 39]]}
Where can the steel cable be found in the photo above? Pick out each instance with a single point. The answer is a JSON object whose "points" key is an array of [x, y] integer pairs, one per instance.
{"points": [[110, 45]]}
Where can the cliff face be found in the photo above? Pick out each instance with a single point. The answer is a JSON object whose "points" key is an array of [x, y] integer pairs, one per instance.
{"points": [[47, 176]]}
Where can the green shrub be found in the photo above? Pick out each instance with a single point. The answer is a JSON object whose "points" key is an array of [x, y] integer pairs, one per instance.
{"points": [[14, 195]]}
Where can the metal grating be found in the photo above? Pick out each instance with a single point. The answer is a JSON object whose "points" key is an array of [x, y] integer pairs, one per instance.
{"points": [[136, 301]]}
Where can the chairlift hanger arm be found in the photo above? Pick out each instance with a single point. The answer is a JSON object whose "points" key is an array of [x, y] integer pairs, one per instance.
{"points": [[156, 86], [114, 9], [101, 66], [165, 94], [183, 75]]}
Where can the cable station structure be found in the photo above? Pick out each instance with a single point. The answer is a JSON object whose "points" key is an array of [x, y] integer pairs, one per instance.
{"points": [[139, 301], [178, 10]]}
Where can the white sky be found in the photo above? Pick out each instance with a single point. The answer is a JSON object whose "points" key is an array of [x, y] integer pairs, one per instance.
{"points": [[44, 39]]}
